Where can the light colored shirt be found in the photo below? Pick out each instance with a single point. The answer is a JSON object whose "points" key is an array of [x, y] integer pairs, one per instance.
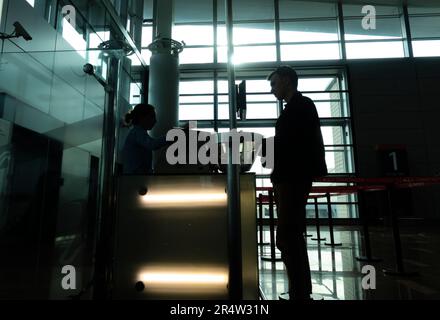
{"points": [[137, 153]]}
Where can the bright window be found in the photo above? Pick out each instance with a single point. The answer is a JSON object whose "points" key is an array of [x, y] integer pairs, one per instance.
{"points": [[364, 50], [425, 36], [196, 55], [383, 38], [74, 38], [304, 52]]}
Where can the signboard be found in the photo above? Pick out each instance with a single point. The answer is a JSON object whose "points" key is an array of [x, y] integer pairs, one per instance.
{"points": [[393, 160]]}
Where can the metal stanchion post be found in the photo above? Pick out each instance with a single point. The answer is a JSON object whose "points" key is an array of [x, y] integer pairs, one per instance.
{"points": [[335, 287], [307, 235], [316, 296], [318, 228], [272, 231], [330, 224], [368, 256], [260, 220], [272, 226], [397, 243]]}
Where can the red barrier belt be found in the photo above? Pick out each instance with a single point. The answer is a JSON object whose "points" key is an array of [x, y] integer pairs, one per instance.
{"points": [[336, 189], [384, 180], [365, 184]]}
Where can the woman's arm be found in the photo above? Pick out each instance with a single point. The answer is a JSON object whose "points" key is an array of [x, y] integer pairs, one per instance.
{"points": [[150, 143]]}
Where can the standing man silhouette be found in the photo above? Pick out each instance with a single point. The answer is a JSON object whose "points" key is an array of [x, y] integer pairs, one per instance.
{"points": [[299, 158]]}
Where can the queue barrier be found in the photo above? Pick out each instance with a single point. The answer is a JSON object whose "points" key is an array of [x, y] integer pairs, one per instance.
{"points": [[361, 186]]}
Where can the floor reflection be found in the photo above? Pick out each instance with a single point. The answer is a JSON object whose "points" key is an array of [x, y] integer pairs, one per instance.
{"points": [[337, 274]]}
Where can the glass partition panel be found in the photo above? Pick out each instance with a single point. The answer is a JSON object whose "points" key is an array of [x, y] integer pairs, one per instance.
{"points": [[52, 114]]}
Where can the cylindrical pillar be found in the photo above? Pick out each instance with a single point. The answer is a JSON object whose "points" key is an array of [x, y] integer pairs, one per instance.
{"points": [[163, 85], [163, 90]]}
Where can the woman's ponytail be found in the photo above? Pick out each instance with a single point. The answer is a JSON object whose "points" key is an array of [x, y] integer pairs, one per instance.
{"points": [[140, 110]]}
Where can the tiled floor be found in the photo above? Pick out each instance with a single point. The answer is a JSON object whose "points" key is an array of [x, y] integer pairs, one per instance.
{"points": [[336, 273]]}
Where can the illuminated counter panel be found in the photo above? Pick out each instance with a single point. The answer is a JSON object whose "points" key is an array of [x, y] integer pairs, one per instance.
{"points": [[171, 235]]}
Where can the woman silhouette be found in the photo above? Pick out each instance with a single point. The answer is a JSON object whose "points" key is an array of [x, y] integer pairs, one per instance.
{"points": [[139, 145]]}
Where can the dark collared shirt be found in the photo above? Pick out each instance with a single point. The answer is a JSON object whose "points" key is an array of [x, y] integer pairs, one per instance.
{"points": [[299, 147]]}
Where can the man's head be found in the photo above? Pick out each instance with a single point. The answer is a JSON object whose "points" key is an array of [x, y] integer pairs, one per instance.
{"points": [[284, 82]]}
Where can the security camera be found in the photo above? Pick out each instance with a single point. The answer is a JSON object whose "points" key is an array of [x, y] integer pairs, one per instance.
{"points": [[21, 32], [89, 69]]}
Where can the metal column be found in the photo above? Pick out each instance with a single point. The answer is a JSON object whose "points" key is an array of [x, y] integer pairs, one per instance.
{"points": [[104, 246], [234, 221]]}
